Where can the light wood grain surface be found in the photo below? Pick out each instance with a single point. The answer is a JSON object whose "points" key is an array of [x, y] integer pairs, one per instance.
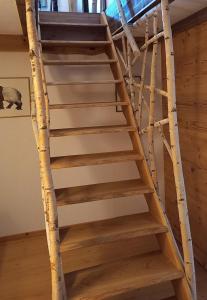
{"points": [[25, 272]]}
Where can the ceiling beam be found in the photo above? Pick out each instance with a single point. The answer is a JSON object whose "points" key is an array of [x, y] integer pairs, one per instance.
{"points": [[191, 21]]}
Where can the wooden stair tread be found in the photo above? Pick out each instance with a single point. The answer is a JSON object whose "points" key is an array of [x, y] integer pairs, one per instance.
{"points": [[75, 43], [80, 62], [116, 278], [93, 159], [105, 231], [69, 17], [46, 23], [55, 83], [101, 191], [91, 130], [88, 104]]}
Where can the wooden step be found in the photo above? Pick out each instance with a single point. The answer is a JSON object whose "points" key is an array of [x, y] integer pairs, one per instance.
{"points": [[99, 254], [79, 44], [70, 17], [96, 243], [111, 230], [72, 31], [50, 23], [108, 280], [91, 130], [101, 191], [55, 83], [79, 62], [88, 104], [94, 159]]}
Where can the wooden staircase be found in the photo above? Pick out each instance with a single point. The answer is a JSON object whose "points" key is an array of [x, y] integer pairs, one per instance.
{"points": [[109, 258]]}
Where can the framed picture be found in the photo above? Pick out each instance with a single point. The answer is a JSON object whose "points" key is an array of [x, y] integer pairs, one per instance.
{"points": [[15, 97]]}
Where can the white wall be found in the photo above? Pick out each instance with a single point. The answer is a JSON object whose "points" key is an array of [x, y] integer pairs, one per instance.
{"points": [[9, 18], [21, 207]]}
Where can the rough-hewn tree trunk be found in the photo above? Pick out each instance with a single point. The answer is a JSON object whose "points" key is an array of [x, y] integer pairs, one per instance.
{"points": [[152, 106], [175, 150], [44, 157]]}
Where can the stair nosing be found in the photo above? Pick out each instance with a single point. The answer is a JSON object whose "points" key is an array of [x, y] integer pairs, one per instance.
{"points": [[91, 130], [71, 242], [70, 43], [80, 62], [122, 276], [115, 81], [72, 161], [72, 24], [88, 104], [101, 191]]}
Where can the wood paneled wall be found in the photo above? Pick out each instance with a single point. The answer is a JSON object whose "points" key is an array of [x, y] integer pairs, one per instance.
{"points": [[191, 84]]}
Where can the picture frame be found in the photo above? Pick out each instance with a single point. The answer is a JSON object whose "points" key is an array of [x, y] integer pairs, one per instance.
{"points": [[15, 97]]}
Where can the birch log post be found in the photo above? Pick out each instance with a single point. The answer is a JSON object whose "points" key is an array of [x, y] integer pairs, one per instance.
{"points": [[123, 40], [36, 134], [122, 60], [126, 29], [131, 81], [152, 106], [35, 124], [143, 74], [165, 142], [158, 91], [43, 74], [175, 150], [44, 158]]}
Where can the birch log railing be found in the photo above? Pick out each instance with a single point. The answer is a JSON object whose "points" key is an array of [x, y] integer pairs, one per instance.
{"points": [[126, 29], [142, 107], [40, 125], [131, 51]]}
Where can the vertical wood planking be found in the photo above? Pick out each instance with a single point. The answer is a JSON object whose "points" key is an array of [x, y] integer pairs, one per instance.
{"points": [[190, 65]]}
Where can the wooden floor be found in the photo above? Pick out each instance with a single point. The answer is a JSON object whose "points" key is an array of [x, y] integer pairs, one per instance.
{"points": [[25, 274]]}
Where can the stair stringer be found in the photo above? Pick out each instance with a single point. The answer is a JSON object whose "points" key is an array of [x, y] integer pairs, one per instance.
{"points": [[166, 240]]}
